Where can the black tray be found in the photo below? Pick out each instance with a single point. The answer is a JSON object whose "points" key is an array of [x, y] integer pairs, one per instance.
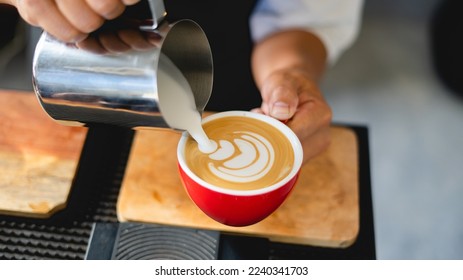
{"points": [[88, 226]]}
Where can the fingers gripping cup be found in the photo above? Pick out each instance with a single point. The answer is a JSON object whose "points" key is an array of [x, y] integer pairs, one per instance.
{"points": [[249, 175]]}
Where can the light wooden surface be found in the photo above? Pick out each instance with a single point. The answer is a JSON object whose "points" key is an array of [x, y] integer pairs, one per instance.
{"points": [[38, 157], [323, 209]]}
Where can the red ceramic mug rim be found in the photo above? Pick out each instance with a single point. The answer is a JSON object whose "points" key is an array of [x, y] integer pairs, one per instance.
{"points": [[294, 140]]}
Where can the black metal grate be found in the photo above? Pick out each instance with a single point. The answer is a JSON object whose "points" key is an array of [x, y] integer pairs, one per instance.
{"points": [[137, 241], [32, 241]]}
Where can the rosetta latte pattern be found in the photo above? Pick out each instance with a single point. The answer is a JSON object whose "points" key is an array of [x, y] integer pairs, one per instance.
{"points": [[247, 159]]}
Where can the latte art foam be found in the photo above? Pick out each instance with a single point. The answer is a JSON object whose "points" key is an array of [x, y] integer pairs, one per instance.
{"points": [[247, 159], [251, 154]]}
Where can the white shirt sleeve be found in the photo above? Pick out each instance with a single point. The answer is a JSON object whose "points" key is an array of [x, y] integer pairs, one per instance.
{"points": [[335, 22]]}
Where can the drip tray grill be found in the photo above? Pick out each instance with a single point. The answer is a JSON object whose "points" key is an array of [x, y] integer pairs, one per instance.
{"points": [[137, 241]]}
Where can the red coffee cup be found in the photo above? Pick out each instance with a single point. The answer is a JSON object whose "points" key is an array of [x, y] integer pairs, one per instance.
{"points": [[240, 207]]}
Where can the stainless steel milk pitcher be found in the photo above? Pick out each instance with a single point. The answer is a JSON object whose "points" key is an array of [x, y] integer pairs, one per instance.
{"points": [[79, 85]]}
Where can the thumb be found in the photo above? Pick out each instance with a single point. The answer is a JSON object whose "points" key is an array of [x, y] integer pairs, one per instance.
{"points": [[282, 102]]}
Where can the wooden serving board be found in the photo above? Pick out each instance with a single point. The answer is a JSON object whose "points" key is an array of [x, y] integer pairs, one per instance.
{"points": [[38, 157], [322, 210]]}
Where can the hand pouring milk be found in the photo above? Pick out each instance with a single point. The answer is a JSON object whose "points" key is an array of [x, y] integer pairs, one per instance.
{"points": [[177, 104]]}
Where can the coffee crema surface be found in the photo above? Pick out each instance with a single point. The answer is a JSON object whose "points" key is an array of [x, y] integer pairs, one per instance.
{"points": [[251, 154]]}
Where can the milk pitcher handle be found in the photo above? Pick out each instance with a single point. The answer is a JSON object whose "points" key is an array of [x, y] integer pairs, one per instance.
{"points": [[158, 12]]}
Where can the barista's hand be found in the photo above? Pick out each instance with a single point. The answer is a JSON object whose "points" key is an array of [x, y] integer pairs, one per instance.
{"points": [[291, 95], [69, 20], [120, 41]]}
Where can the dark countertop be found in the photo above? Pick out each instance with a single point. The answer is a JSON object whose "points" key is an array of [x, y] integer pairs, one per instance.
{"points": [[88, 226]]}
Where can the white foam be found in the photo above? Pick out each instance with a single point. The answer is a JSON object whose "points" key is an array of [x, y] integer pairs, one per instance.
{"points": [[254, 160], [225, 151], [248, 154]]}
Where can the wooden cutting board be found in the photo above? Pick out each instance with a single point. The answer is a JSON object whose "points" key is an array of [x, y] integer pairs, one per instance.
{"points": [[38, 157], [323, 209]]}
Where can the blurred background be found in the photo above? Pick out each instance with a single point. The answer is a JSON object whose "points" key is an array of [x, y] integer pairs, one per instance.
{"points": [[387, 81]]}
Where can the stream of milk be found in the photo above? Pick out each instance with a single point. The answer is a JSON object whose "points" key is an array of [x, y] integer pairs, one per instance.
{"points": [[177, 104]]}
